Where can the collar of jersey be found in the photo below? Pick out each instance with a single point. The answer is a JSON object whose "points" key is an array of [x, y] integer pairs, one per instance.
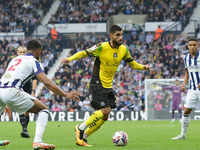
{"points": [[112, 47], [196, 56], [29, 54]]}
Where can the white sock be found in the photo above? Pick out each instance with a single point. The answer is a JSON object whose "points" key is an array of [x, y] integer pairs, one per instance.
{"points": [[185, 124], [41, 124], [82, 126], [85, 135], [173, 119]]}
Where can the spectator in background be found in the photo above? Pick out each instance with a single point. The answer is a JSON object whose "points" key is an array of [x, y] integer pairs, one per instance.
{"points": [[137, 106], [54, 33], [47, 95], [56, 107], [149, 37], [86, 105], [158, 32], [63, 106], [198, 29], [125, 108], [141, 37], [158, 106], [134, 30]]}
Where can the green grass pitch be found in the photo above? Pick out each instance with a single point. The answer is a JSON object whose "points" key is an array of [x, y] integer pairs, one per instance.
{"points": [[143, 135]]}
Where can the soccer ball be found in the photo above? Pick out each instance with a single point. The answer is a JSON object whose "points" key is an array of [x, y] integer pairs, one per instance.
{"points": [[120, 138]]}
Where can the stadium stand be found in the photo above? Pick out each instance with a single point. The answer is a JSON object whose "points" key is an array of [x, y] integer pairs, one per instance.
{"points": [[90, 11], [22, 15]]}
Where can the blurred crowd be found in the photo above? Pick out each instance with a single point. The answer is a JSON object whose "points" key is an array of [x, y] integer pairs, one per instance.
{"points": [[92, 11], [50, 51], [22, 15]]}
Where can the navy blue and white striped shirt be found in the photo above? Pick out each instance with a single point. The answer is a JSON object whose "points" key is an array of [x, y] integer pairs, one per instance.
{"points": [[192, 64], [20, 70]]}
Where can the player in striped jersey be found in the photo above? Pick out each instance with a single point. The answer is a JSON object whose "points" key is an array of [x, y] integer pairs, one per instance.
{"points": [[24, 118], [20, 70], [192, 66]]}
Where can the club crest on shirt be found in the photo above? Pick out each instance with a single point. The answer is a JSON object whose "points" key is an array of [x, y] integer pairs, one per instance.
{"points": [[115, 55]]}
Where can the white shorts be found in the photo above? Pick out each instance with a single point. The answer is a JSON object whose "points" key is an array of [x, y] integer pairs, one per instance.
{"points": [[192, 98], [16, 99]]}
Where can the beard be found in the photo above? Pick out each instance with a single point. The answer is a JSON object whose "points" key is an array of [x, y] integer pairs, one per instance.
{"points": [[116, 43]]}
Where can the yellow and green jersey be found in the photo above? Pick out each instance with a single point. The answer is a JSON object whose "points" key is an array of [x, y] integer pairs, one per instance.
{"points": [[106, 62]]}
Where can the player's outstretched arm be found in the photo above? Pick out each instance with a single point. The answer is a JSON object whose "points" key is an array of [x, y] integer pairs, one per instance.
{"points": [[53, 87], [138, 66], [76, 56], [185, 80], [167, 88]]}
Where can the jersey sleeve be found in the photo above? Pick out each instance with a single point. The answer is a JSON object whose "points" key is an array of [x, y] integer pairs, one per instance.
{"points": [[94, 51], [167, 88], [37, 67], [129, 59], [185, 59]]}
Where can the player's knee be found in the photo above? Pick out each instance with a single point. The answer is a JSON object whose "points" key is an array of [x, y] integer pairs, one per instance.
{"points": [[106, 111], [105, 118], [45, 107], [45, 110], [187, 111]]}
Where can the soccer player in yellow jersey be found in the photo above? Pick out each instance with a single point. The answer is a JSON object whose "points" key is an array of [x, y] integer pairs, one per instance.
{"points": [[108, 57]]}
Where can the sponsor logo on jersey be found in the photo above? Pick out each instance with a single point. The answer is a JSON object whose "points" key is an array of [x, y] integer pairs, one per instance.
{"points": [[7, 76], [115, 55], [194, 68], [102, 104], [93, 47], [111, 65]]}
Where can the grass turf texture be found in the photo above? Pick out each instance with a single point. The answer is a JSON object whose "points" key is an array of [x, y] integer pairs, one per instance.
{"points": [[147, 135]]}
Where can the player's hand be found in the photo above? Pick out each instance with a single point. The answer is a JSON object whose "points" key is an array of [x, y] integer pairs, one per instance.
{"points": [[73, 95], [9, 111], [64, 61], [183, 87], [147, 67], [198, 86]]}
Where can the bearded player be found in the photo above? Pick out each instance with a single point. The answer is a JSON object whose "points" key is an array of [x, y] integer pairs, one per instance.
{"points": [[108, 56]]}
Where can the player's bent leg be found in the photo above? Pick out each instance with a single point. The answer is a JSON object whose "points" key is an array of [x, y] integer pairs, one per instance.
{"points": [[37, 107], [94, 127], [79, 137], [4, 142], [42, 112], [95, 117]]}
